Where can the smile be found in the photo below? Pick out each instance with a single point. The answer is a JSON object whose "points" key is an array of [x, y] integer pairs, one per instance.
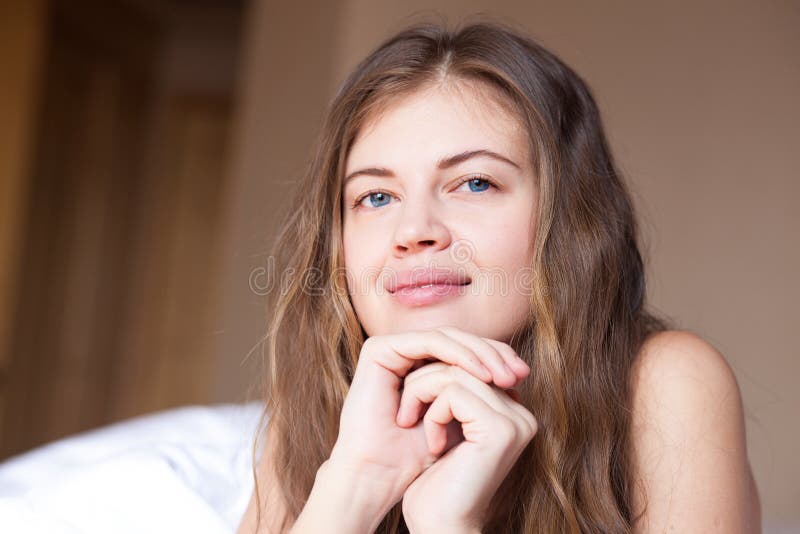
{"points": [[428, 294]]}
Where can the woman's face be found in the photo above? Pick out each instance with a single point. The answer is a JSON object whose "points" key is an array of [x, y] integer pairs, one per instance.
{"points": [[414, 215]]}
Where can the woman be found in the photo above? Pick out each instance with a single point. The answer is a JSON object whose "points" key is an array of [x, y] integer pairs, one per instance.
{"points": [[460, 341]]}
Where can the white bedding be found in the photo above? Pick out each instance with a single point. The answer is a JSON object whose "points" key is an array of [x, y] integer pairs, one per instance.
{"points": [[175, 471], [181, 470]]}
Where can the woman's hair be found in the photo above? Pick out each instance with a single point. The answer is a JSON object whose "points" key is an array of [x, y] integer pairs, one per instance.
{"points": [[587, 317]]}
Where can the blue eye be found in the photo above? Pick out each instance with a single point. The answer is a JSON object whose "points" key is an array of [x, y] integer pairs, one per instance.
{"points": [[478, 184], [376, 199], [474, 182], [377, 195]]}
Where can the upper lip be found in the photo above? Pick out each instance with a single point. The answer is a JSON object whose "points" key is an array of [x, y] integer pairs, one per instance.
{"points": [[420, 276]]}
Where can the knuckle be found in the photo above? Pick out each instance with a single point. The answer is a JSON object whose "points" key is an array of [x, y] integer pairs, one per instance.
{"points": [[532, 424], [447, 329], [454, 371], [411, 377], [508, 350], [439, 333], [425, 370], [462, 376], [410, 390], [506, 428], [467, 377], [440, 366], [451, 389], [368, 345], [428, 341]]}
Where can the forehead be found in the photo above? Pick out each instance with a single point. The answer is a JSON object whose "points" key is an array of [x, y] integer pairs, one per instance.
{"points": [[443, 119]]}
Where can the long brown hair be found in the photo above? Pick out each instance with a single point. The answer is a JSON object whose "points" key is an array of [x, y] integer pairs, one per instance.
{"points": [[587, 316]]}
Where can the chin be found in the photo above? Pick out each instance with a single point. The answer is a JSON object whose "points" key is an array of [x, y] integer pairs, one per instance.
{"points": [[431, 322]]}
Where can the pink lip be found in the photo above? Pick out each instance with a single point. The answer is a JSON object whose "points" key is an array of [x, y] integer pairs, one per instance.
{"points": [[438, 284], [421, 296]]}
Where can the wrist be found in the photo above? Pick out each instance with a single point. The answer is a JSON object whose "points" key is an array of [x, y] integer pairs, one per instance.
{"points": [[383, 483], [373, 489], [345, 500]]}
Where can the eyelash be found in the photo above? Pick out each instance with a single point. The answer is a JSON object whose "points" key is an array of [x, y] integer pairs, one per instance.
{"points": [[464, 180]]}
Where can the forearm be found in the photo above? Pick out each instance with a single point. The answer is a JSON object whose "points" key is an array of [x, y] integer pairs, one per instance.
{"points": [[342, 502]]}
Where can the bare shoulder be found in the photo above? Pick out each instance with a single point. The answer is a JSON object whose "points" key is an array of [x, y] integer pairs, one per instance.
{"points": [[688, 438], [676, 360]]}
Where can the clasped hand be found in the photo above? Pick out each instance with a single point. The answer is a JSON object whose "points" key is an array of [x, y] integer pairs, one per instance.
{"points": [[447, 466]]}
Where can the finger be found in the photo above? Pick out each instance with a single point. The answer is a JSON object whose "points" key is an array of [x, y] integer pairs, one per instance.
{"points": [[520, 366], [422, 371], [410, 412], [411, 408], [398, 353], [456, 403], [454, 435], [440, 366], [426, 387], [530, 424], [420, 363], [502, 374]]}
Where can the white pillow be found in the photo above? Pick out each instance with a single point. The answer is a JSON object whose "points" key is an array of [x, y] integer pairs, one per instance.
{"points": [[186, 469]]}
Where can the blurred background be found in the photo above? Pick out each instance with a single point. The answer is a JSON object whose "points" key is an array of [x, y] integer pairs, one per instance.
{"points": [[147, 149]]}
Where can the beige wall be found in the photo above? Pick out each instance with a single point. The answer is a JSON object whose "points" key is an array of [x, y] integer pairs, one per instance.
{"points": [[699, 101], [282, 96]]}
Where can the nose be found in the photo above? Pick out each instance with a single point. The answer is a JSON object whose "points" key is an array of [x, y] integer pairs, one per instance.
{"points": [[419, 226]]}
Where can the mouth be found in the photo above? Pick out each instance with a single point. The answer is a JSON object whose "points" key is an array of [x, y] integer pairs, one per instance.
{"points": [[415, 296], [431, 285], [413, 287], [427, 279]]}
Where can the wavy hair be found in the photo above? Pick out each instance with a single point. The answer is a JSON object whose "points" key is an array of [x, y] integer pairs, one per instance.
{"points": [[587, 318]]}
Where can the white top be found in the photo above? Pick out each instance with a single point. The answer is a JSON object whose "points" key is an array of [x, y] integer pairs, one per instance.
{"points": [[187, 469]]}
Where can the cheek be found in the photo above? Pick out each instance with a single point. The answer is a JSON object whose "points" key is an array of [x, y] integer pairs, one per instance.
{"points": [[517, 236], [503, 240], [363, 260], [517, 233]]}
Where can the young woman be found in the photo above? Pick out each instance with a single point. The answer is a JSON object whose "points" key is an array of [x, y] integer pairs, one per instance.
{"points": [[460, 342]]}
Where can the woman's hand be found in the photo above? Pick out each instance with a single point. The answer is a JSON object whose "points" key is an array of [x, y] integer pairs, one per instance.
{"points": [[371, 446], [453, 494]]}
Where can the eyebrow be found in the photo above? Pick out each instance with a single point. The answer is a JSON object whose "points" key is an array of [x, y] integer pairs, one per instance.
{"points": [[444, 163]]}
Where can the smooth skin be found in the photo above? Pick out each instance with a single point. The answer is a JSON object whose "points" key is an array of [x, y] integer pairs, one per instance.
{"points": [[373, 448], [688, 437], [426, 216], [457, 488], [688, 423]]}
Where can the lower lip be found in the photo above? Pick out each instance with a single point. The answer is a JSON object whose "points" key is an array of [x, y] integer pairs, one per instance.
{"points": [[420, 296]]}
